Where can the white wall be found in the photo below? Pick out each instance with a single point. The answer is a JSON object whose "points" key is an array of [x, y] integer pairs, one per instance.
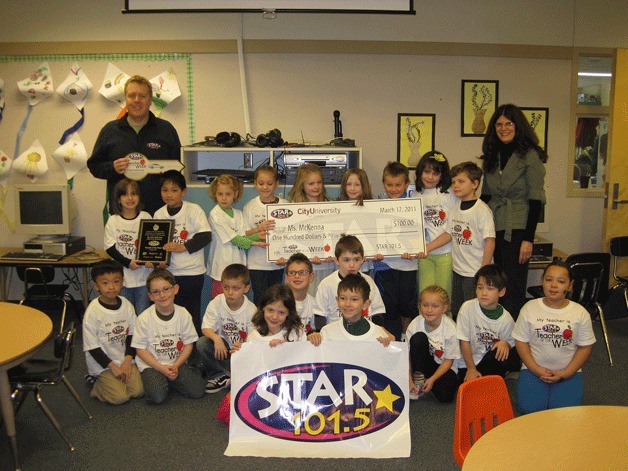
{"points": [[298, 92]]}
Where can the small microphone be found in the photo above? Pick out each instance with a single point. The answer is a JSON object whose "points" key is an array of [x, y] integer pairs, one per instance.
{"points": [[337, 125]]}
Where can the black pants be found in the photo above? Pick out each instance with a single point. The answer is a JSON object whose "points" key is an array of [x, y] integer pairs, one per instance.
{"points": [[489, 365], [189, 296], [261, 280], [446, 386], [507, 257], [399, 293]]}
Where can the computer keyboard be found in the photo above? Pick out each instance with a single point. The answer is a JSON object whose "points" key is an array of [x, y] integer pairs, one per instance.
{"points": [[31, 257]]}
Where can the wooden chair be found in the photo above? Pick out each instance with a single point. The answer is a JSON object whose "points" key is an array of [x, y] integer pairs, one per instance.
{"points": [[34, 374], [481, 404]]}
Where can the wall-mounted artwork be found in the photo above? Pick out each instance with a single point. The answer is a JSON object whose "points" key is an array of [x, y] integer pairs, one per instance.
{"points": [[538, 119], [415, 137], [479, 101]]}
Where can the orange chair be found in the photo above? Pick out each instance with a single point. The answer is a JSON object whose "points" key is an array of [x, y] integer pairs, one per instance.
{"points": [[481, 404]]}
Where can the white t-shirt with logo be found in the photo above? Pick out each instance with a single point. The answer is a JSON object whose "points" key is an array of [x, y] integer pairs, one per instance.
{"points": [[233, 326], [554, 335], [123, 234], [189, 221], [305, 310], [481, 332], [106, 329], [222, 252], [437, 208], [163, 339], [443, 340], [254, 212], [295, 336], [468, 229]]}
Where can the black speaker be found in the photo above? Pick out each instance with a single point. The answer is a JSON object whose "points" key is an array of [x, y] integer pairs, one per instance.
{"points": [[271, 139], [228, 139]]}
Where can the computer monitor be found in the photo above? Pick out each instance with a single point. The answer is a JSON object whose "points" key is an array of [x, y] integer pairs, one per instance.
{"points": [[44, 209]]}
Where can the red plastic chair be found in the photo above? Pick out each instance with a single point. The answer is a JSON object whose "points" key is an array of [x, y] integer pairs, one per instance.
{"points": [[481, 404]]}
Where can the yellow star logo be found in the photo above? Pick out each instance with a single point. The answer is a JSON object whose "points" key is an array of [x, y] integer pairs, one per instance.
{"points": [[386, 398]]}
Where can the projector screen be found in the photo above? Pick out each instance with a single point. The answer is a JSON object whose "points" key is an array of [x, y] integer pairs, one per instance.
{"points": [[311, 6]]}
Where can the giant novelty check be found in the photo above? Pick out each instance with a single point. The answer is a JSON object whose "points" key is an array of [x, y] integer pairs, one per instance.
{"points": [[388, 227]]}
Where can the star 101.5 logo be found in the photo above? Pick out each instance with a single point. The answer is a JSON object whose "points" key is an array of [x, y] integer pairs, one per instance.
{"points": [[320, 402]]}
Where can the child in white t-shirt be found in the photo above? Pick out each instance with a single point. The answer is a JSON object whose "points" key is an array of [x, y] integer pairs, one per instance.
{"points": [[263, 273], [434, 347], [226, 324], [276, 321], [554, 338], [107, 335], [353, 300], [299, 275]]}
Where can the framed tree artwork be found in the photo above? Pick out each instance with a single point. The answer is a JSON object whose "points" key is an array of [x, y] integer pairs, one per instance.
{"points": [[539, 120], [479, 102], [415, 137]]}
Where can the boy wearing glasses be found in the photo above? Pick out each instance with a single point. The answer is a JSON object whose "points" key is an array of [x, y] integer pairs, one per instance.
{"points": [[349, 257], [299, 275], [226, 323], [164, 338]]}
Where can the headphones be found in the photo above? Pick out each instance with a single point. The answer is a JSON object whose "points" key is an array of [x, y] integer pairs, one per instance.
{"points": [[227, 139], [271, 139]]}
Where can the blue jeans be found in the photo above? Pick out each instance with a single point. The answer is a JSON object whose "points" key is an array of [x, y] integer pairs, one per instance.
{"points": [[212, 367], [535, 395], [137, 296]]}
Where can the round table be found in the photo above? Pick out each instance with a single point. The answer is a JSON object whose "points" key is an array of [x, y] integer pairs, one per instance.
{"points": [[582, 437], [23, 330]]}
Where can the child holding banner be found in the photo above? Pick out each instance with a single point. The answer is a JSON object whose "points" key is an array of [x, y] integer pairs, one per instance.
{"points": [[349, 256], [276, 321], [309, 188], [263, 273], [353, 299]]}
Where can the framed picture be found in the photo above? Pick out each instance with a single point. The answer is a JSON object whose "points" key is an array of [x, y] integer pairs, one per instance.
{"points": [[415, 137], [479, 102], [538, 119]]}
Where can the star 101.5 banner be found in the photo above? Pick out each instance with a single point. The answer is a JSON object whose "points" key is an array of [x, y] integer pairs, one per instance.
{"points": [[337, 400]]}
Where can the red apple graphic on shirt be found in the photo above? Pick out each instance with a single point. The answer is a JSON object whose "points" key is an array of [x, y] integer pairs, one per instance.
{"points": [[308, 328], [442, 215], [142, 162], [180, 345], [127, 331], [327, 248], [567, 334], [466, 234], [136, 242], [184, 234], [438, 353], [242, 335]]}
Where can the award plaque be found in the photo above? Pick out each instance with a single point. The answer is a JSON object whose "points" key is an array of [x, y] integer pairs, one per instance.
{"points": [[154, 234]]}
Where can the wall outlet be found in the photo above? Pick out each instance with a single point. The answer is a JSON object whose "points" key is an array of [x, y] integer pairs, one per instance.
{"points": [[248, 160]]}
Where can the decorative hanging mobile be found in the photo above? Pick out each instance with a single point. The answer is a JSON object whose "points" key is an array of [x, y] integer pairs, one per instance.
{"points": [[165, 90]]}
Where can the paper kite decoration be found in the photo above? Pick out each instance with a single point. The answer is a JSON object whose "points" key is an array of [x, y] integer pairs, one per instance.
{"points": [[32, 162], [75, 87], [165, 90], [113, 85], [38, 86], [5, 165], [71, 156]]}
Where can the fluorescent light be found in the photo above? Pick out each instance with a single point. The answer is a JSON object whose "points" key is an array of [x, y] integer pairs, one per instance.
{"points": [[595, 74]]}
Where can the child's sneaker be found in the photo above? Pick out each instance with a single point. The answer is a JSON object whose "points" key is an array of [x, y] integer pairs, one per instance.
{"points": [[217, 384], [418, 379], [90, 380]]}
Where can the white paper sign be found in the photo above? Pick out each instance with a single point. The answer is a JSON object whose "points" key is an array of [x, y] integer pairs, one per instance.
{"points": [[388, 227], [338, 400]]}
